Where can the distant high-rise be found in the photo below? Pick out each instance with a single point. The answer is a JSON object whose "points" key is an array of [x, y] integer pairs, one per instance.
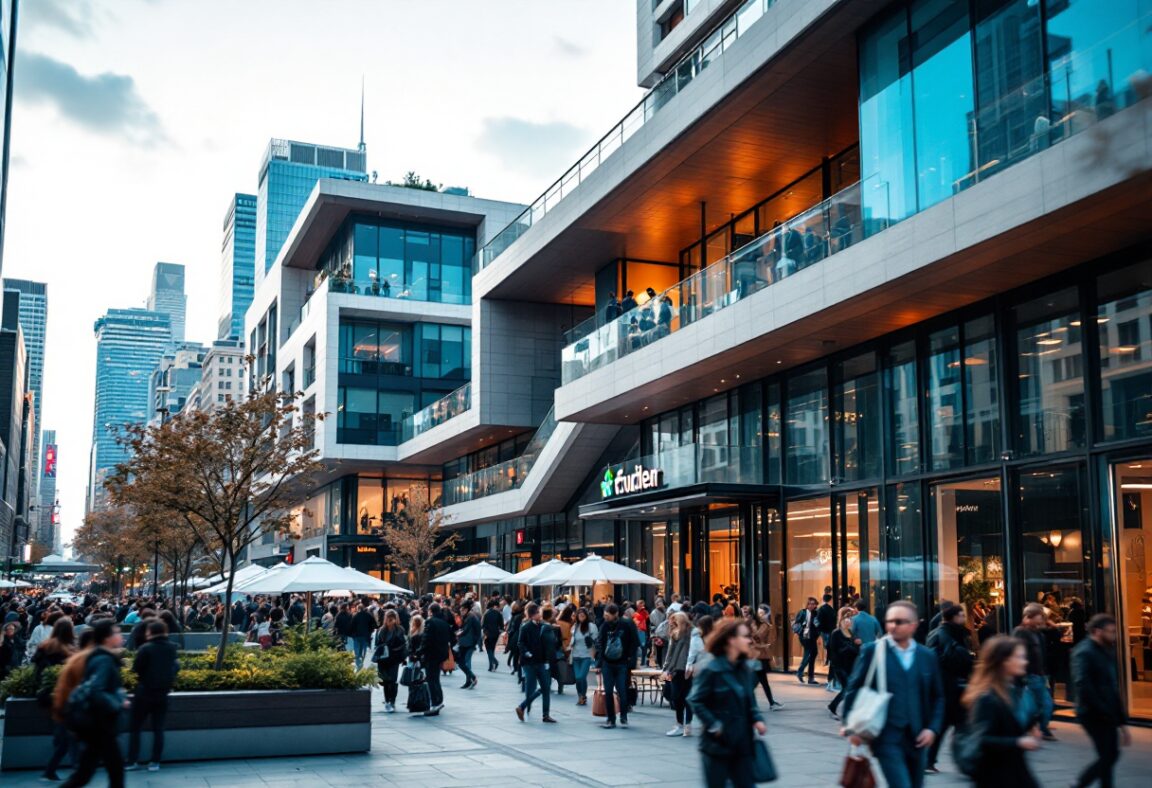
{"points": [[287, 176], [167, 296], [16, 415], [33, 319], [173, 380], [238, 269], [8, 12], [47, 517], [129, 343]]}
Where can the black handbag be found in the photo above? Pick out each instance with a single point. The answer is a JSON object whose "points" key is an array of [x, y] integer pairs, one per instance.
{"points": [[411, 674], [564, 673], [419, 698], [763, 769]]}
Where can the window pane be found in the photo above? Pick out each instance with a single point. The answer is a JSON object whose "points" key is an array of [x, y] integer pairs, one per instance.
{"points": [[809, 558], [369, 506], [391, 263], [1124, 321], [774, 433], [366, 250], [807, 429], [714, 421], [904, 423], [394, 406], [981, 391], [945, 407], [857, 422], [1051, 376], [904, 545]]}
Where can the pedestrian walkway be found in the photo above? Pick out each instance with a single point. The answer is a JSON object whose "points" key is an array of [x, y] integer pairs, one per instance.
{"points": [[478, 741]]}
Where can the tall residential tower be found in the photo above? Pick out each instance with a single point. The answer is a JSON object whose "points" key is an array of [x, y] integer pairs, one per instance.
{"points": [[33, 319], [238, 265], [167, 296]]}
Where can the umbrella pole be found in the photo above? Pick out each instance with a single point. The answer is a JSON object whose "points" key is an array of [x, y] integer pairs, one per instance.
{"points": [[308, 614]]}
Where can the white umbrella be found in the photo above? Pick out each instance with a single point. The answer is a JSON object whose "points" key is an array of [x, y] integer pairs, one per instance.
{"points": [[595, 569], [242, 575], [23, 584], [482, 573], [542, 574], [6, 583], [316, 574]]}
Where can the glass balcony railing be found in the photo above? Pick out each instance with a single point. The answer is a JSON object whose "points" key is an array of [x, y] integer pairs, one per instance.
{"points": [[802, 241], [419, 290], [680, 76], [504, 476], [694, 463], [437, 413]]}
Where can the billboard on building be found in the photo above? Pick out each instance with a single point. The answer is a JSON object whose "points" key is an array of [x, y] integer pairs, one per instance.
{"points": [[50, 460]]}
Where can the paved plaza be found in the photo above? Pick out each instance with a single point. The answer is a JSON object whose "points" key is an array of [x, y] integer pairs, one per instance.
{"points": [[478, 741]]}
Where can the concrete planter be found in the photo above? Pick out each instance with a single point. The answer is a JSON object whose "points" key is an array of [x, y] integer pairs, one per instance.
{"points": [[215, 725]]}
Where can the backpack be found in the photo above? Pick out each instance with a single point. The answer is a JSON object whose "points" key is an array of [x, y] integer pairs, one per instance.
{"points": [[81, 709], [613, 646]]}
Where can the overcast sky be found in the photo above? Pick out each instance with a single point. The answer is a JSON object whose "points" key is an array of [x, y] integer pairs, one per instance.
{"points": [[136, 120]]}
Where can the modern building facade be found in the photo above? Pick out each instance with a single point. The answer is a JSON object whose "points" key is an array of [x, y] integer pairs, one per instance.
{"points": [[173, 380], [222, 375], [17, 414], [8, 15], [238, 265], [287, 175], [167, 297], [888, 323], [33, 317], [129, 345], [47, 518]]}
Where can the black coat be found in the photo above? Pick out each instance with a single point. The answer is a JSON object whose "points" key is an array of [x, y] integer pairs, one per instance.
{"points": [[629, 639], [842, 651], [723, 698], [1097, 686], [437, 640], [363, 625], [1002, 764], [343, 624], [156, 664], [531, 644], [492, 624], [469, 637], [514, 625], [397, 652], [103, 669], [950, 642], [826, 619]]}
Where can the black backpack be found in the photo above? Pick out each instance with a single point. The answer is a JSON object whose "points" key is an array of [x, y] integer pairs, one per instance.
{"points": [[614, 646]]}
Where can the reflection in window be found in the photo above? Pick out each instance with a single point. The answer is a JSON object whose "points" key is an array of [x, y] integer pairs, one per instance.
{"points": [[981, 391], [809, 556], [369, 506], [807, 428], [904, 423], [945, 403], [904, 546], [1124, 320], [724, 555], [1051, 375], [857, 414]]}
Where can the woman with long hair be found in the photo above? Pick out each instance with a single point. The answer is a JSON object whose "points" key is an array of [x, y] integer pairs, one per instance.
{"points": [[760, 625], [723, 697], [389, 651], [513, 642], [675, 663], [55, 650], [584, 632], [842, 653], [1000, 727]]}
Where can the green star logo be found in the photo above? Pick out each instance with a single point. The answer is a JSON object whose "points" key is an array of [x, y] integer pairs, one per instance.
{"points": [[606, 486]]}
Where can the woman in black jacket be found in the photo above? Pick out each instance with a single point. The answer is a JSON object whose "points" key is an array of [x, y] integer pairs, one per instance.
{"points": [[723, 698], [992, 749], [842, 653], [514, 640], [390, 638]]}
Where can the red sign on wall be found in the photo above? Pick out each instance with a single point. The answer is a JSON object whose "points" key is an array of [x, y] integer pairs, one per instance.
{"points": [[50, 459]]}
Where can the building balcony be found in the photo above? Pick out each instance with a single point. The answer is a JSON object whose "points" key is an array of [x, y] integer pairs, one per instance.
{"points": [[504, 476], [439, 412]]}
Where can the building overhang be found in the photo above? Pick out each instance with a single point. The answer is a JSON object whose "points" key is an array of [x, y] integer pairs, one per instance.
{"points": [[668, 503]]}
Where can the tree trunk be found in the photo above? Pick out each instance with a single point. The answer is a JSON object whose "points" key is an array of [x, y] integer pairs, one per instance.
{"points": [[227, 623]]}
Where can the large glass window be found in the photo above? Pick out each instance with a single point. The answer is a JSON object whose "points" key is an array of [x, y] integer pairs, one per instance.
{"points": [[1133, 560], [945, 401], [425, 263], [903, 421], [1050, 382], [444, 351], [723, 575], [369, 506], [981, 390], [806, 438], [370, 416], [371, 348], [904, 570], [1124, 322], [857, 419], [809, 557]]}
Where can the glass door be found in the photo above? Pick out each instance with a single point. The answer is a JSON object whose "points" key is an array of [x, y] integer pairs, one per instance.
{"points": [[809, 558], [1133, 485]]}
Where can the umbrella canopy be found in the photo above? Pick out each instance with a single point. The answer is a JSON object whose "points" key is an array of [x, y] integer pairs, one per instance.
{"points": [[316, 574], [482, 573], [23, 584], [542, 574], [6, 583], [595, 569], [58, 565], [242, 575]]}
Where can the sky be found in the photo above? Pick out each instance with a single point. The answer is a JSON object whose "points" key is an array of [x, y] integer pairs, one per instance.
{"points": [[135, 121]]}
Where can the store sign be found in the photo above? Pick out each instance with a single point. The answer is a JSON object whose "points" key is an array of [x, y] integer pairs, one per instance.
{"points": [[365, 549], [520, 537], [50, 460], [620, 482]]}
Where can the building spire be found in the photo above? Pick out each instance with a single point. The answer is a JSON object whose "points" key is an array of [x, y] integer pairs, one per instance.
{"points": [[360, 147]]}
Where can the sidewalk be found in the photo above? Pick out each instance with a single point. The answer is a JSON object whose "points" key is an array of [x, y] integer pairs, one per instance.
{"points": [[478, 741]]}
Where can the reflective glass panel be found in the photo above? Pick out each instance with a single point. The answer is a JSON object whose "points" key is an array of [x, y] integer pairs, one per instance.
{"points": [[1050, 375], [1124, 321], [807, 428], [857, 419], [903, 421], [982, 390], [945, 402]]}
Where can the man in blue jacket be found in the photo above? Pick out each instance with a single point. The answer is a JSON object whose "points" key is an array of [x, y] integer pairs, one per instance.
{"points": [[916, 708]]}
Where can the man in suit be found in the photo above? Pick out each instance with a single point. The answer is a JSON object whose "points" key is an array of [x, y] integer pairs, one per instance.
{"points": [[492, 625], [468, 640], [534, 661], [807, 628], [437, 641], [1098, 705], [826, 623], [916, 708]]}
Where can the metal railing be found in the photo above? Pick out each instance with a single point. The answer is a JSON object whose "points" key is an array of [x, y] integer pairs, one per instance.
{"points": [[677, 78], [440, 411], [504, 476]]}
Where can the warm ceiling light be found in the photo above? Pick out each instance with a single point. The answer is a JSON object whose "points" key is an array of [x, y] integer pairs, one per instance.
{"points": [[1055, 538], [1125, 349], [1049, 341]]}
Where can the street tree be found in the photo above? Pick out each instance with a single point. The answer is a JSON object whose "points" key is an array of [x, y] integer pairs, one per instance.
{"points": [[230, 474], [108, 538], [417, 539]]}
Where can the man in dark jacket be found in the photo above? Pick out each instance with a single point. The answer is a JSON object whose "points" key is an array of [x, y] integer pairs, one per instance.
{"points": [[807, 628], [437, 641], [1031, 631], [534, 661], [363, 627], [342, 626], [239, 618], [616, 648], [295, 611], [1098, 705], [492, 625], [916, 708], [826, 624], [467, 641], [950, 641], [155, 666], [102, 669]]}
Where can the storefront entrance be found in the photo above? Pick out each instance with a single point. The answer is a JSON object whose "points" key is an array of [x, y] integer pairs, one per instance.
{"points": [[1133, 485]]}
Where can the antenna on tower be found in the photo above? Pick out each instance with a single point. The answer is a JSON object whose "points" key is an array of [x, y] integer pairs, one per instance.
{"points": [[360, 147]]}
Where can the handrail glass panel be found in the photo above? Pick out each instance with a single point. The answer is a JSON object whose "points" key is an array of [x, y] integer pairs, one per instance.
{"points": [[437, 413], [504, 476]]}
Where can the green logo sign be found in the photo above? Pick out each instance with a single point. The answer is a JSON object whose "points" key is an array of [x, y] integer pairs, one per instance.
{"points": [[619, 482], [606, 485]]}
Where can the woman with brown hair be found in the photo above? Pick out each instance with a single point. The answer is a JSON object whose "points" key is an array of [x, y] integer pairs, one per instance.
{"points": [[723, 698], [991, 750], [762, 638], [842, 653], [675, 663]]}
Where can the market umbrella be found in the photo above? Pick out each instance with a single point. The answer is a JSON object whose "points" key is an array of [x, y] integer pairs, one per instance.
{"points": [[595, 569], [242, 575], [58, 565], [542, 574], [23, 584], [482, 573], [6, 583]]}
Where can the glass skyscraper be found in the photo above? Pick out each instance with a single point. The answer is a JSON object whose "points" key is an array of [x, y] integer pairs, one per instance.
{"points": [[238, 269], [47, 517], [33, 320], [288, 174], [167, 296], [129, 344], [8, 13]]}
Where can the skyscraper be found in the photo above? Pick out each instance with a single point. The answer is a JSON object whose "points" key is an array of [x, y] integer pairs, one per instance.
{"points": [[16, 413], [129, 343], [173, 380], [46, 518], [167, 296], [287, 175], [8, 13], [238, 269], [33, 319]]}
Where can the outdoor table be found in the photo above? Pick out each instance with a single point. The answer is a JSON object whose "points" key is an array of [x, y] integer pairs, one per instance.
{"points": [[649, 681]]}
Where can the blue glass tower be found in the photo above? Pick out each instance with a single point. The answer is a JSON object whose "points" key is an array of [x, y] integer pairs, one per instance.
{"points": [[167, 296], [8, 13], [129, 343], [33, 319], [238, 268], [287, 176]]}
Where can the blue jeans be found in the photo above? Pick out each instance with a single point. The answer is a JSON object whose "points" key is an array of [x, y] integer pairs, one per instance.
{"points": [[809, 659], [615, 678], [465, 662], [902, 763], [580, 667], [536, 683], [1038, 689], [360, 648]]}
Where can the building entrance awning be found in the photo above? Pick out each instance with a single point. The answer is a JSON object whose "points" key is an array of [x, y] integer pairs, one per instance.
{"points": [[668, 503]]}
